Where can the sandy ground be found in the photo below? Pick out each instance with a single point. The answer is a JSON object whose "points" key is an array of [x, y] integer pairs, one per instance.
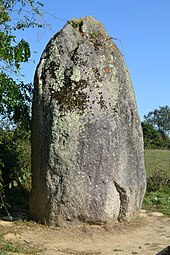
{"points": [[147, 235]]}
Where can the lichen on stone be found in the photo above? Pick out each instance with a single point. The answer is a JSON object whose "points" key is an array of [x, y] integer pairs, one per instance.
{"points": [[76, 23], [64, 128], [71, 96], [76, 76], [53, 52], [57, 78]]}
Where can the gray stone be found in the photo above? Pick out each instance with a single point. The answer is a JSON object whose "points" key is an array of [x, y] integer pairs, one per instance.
{"points": [[165, 251], [87, 142]]}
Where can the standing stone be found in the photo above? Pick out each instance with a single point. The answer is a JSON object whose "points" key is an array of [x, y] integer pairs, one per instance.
{"points": [[87, 142]]}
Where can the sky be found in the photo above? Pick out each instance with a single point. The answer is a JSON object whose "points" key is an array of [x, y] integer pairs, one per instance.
{"points": [[142, 29]]}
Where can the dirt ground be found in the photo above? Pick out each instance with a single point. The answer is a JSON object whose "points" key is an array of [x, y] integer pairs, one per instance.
{"points": [[147, 235]]}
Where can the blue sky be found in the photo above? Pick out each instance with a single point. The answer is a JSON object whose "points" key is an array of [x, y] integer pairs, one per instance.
{"points": [[142, 26]]}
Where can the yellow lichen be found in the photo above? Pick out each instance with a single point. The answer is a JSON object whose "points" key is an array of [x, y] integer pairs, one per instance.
{"points": [[76, 76]]}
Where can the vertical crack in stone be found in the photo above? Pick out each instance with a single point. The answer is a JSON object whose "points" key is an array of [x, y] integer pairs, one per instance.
{"points": [[74, 53], [123, 201]]}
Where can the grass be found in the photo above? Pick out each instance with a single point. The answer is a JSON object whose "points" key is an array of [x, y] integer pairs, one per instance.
{"points": [[157, 197], [7, 247], [157, 160], [157, 201]]}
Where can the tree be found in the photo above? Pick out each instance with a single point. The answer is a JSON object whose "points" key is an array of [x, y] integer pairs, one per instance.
{"points": [[154, 139], [15, 103], [15, 96], [15, 153], [159, 119]]}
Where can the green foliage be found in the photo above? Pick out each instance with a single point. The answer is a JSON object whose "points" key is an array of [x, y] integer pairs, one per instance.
{"points": [[15, 15], [157, 201], [15, 102], [15, 154], [157, 197], [157, 161], [13, 52], [15, 96], [9, 247], [15, 169], [16, 203], [159, 119], [158, 181], [154, 139]]}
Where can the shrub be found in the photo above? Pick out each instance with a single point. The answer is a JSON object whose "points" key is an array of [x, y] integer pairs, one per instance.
{"points": [[15, 168], [159, 201], [15, 155], [154, 139], [158, 181]]}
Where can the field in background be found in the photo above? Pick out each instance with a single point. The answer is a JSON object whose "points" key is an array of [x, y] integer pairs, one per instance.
{"points": [[157, 160], [157, 197]]}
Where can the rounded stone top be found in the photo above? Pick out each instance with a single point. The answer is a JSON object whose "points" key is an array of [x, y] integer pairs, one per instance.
{"points": [[89, 27]]}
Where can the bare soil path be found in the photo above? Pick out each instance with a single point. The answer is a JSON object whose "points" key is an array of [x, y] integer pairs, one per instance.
{"points": [[149, 234]]}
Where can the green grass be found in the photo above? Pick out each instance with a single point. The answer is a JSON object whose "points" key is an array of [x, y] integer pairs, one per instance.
{"points": [[157, 197], [157, 201], [7, 247], [14, 248], [157, 160]]}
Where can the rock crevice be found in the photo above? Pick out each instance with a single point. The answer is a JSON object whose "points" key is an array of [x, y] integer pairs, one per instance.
{"points": [[123, 201]]}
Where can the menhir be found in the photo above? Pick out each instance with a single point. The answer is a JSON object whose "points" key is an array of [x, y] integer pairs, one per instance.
{"points": [[87, 142]]}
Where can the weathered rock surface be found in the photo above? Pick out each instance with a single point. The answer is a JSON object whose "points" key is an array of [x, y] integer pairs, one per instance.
{"points": [[87, 143]]}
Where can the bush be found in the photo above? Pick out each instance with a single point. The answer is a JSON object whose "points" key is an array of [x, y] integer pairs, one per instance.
{"points": [[158, 201], [15, 167], [154, 139], [15, 155], [158, 181], [157, 195]]}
